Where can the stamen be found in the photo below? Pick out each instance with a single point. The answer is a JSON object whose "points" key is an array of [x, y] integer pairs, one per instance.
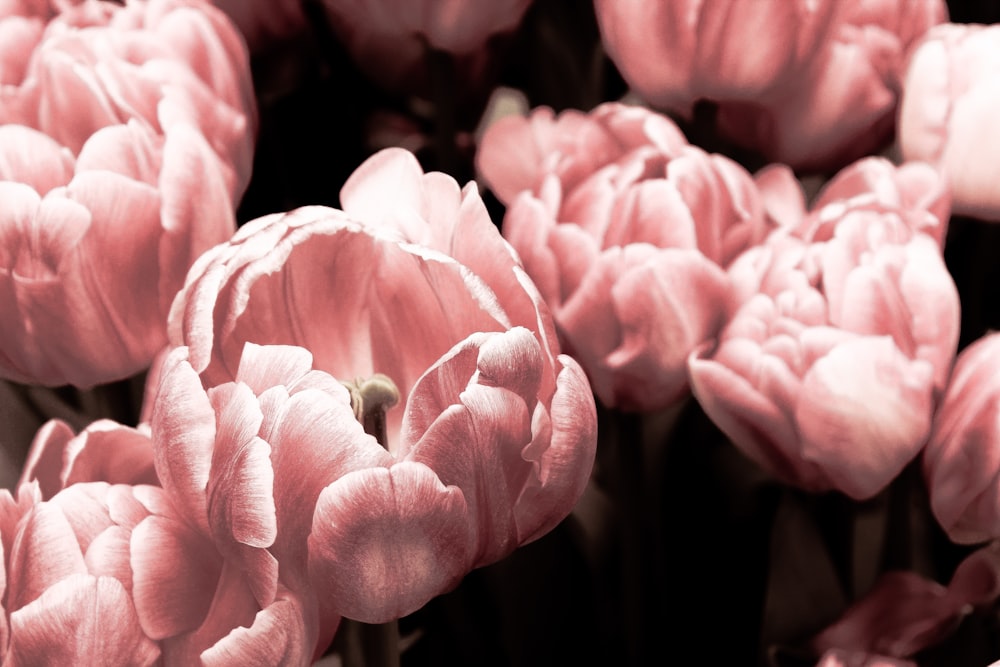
{"points": [[370, 398]]}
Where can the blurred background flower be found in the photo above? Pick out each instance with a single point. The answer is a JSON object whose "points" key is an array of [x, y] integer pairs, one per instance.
{"points": [[829, 372], [950, 95], [820, 91], [626, 229]]}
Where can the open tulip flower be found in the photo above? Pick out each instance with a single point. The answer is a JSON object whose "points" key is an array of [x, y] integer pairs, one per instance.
{"points": [[626, 230], [86, 555], [104, 215], [110, 574], [818, 92], [830, 370], [493, 438], [950, 97]]}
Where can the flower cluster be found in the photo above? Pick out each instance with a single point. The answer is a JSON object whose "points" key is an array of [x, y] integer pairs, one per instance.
{"points": [[644, 294]]}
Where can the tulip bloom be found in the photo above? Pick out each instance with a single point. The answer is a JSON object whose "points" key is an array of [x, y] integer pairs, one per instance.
{"points": [[494, 436], [390, 38], [820, 91], [961, 465], [914, 190], [625, 228], [829, 372], [905, 613], [950, 94], [105, 451], [120, 564], [165, 62], [104, 215]]}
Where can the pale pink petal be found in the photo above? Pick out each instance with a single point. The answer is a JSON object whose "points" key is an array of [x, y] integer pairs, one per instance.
{"points": [[175, 573], [81, 620], [44, 552], [864, 413], [240, 487], [903, 614], [262, 368], [31, 157], [782, 195], [184, 431], [276, 638], [385, 541], [561, 471]]}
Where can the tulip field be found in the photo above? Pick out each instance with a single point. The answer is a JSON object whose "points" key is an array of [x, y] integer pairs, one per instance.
{"points": [[516, 333]]}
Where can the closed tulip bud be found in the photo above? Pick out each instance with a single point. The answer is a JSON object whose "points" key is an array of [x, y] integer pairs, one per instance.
{"points": [[950, 94]]}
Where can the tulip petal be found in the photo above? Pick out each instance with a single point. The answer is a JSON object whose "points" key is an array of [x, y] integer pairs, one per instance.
{"points": [[82, 620], [175, 573], [385, 541], [562, 469], [44, 553], [276, 639], [183, 435], [241, 484], [864, 413]]}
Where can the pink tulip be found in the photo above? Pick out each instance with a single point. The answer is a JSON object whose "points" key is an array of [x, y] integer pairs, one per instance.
{"points": [[949, 99], [105, 451], [829, 371], [128, 140], [389, 38], [113, 574], [626, 229], [80, 590], [905, 613], [166, 62], [463, 339], [914, 190], [94, 248], [961, 465], [819, 91]]}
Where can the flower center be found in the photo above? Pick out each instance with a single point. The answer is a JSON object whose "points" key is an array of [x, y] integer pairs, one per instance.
{"points": [[370, 398]]}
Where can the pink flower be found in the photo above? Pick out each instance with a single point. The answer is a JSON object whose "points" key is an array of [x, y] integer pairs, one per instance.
{"points": [[905, 613], [829, 371], [105, 451], [95, 247], [961, 464], [121, 564], [950, 94], [820, 91], [625, 228], [389, 38], [165, 62], [104, 215], [80, 590], [914, 190], [494, 436]]}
